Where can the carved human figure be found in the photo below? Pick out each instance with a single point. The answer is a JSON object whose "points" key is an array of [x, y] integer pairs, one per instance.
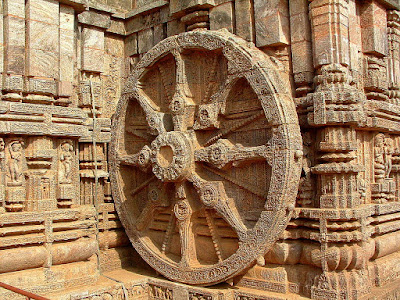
{"points": [[304, 197], [379, 156], [66, 159], [2, 147], [388, 153], [15, 162], [383, 152]]}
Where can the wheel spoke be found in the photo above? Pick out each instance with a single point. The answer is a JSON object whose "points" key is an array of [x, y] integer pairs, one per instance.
{"points": [[238, 124], [222, 94], [140, 159], [156, 199], [145, 216], [140, 134], [212, 194], [154, 117], [181, 106], [207, 114], [241, 184], [183, 213], [224, 154]]}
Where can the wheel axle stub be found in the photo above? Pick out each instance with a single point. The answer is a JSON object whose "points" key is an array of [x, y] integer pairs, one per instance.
{"points": [[171, 156]]}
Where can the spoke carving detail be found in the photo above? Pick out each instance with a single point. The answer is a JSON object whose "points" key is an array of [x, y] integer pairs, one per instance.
{"points": [[224, 154], [212, 194]]}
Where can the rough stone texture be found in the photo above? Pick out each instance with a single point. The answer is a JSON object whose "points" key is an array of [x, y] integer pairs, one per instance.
{"points": [[210, 176]]}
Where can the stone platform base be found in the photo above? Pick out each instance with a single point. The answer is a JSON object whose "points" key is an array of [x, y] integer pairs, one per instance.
{"points": [[139, 285]]}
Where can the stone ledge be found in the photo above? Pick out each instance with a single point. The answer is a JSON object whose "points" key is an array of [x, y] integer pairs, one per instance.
{"points": [[146, 8], [395, 4], [139, 285]]}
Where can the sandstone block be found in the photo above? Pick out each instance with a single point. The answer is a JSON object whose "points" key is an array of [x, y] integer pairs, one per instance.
{"points": [[15, 59], [302, 57], [66, 192], [14, 31], [244, 20], [175, 27], [222, 17], [90, 17], [93, 38], [114, 46], [43, 63], [145, 40], [93, 60], [298, 7], [373, 28], [67, 17], [44, 10], [15, 8], [65, 88], [66, 55], [159, 33], [271, 23], [43, 36], [131, 46], [13, 83], [300, 28], [42, 86], [117, 27], [177, 6]]}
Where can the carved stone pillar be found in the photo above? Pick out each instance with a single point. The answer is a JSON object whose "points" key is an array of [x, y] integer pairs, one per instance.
{"points": [[40, 176], [337, 107], [374, 46], [2, 175]]}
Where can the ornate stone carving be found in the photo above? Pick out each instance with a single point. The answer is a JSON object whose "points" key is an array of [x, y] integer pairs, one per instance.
{"points": [[226, 147], [384, 187]]}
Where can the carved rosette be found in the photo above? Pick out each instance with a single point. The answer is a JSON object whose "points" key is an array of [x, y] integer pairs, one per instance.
{"points": [[205, 156]]}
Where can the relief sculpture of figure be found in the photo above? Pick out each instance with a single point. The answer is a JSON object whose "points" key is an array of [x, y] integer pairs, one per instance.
{"points": [[15, 162], [383, 152], [389, 150], [379, 156], [2, 147], [66, 159]]}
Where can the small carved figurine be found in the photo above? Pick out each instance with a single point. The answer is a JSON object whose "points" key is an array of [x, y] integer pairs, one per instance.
{"points": [[66, 159], [383, 152], [15, 162]]}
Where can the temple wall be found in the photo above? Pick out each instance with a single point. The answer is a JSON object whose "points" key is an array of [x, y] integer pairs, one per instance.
{"points": [[63, 65]]}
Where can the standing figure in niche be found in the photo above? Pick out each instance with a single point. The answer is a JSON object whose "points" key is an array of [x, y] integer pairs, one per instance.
{"points": [[389, 150], [379, 156], [66, 159], [2, 147], [15, 163]]}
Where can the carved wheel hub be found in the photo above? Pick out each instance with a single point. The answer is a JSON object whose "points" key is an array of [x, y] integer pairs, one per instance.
{"points": [[171, 156], [205, 156]]}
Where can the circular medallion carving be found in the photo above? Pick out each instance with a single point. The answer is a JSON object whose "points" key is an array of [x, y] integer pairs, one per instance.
{"points": [[203, 156]]}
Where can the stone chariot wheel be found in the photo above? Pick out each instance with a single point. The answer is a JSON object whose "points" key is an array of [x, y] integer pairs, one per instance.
{"points": [[205, 156]]}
